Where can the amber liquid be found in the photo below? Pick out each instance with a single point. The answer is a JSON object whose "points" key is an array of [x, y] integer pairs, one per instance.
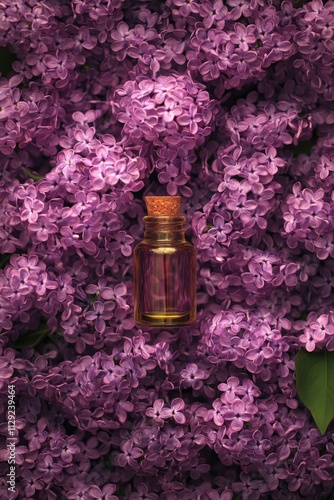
{"points": [[165, 284]]}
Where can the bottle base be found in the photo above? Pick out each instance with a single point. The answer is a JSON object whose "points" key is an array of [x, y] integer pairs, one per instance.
{"points": [[170, 319]]}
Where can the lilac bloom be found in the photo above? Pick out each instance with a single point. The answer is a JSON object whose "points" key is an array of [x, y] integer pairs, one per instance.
{"points": [[170, 110], [48, 467], [129, 455], [239, 414], [7, 367], [32, 209], [85, 140], [116, 293], [218, 413], [123, 242], [175, 411], [325, 246], [191, 118], [173, 179], [122, 37], [324, 167], [37, 435], [66, 448], [193, 376], [319, 465], [158, 411], [64, 287], [230, 389], [259, 352], [250, 488], [84, 118], [121, 171], [101, 313], [60, 63], [221, 229], [214, 13], [287, 273], [243, 36], [266, 260], [43, 228], [256, 275], [32, 482], [187, 6], [143, 492]]}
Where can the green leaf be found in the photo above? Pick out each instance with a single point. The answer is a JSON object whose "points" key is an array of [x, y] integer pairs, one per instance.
{"points": [[315, 384], [32, 176], [31, 339]]}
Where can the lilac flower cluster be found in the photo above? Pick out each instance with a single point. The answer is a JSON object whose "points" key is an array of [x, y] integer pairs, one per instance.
{"points": [[230, 105], [172, 114], [308, 217]]}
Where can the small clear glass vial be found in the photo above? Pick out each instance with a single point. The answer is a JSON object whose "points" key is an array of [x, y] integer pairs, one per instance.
{"points": [[164, 267]]}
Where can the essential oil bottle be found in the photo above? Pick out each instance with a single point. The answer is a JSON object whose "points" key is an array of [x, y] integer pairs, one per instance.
{"points": [[164, 267]]}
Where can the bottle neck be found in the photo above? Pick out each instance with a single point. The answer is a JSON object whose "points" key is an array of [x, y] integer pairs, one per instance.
{"points": [[164, 228]]}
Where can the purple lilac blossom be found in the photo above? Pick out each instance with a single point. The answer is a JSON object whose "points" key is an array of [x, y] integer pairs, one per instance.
{"points": [[230, 105]]}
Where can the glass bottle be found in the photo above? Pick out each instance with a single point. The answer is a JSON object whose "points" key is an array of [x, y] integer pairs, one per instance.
{"points": [[164, 267]]}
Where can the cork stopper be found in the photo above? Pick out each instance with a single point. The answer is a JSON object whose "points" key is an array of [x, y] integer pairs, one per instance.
{"points": [[163, 205]]}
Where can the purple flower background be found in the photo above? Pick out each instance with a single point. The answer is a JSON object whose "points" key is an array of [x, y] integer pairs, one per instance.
{"points": [[229, 105]]}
